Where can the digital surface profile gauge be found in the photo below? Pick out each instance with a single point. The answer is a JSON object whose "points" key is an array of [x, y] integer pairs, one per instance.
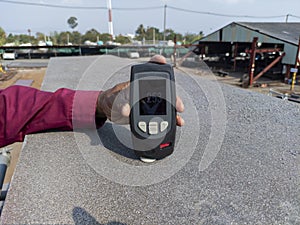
{"points": [[153, 110]]}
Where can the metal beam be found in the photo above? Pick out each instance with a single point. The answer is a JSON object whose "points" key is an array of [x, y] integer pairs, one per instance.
{"points": [[297, 63], [252, 60], [265, 50], [269, 67]]}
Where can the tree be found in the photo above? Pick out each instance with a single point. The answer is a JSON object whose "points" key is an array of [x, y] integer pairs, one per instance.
{"points": [[54, 37], [40, 36], [62, 38], [140, 32], [170, 34], [191, 38], [75, 37], [91, 35], [152, 31], [105, 37], [23, 38], [122, 39], [2, 36], [72, 22], [10, 38]]}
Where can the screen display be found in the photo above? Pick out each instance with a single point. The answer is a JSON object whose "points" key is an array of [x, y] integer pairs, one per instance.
{"points": [[152, 97]]}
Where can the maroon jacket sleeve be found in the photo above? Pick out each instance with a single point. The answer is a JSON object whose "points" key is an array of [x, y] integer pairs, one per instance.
{"points": [[25, 110]]}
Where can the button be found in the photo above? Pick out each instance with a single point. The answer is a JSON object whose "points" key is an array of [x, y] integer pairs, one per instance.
{"points": [[153, 128], [143, 126], [165, 145], [163, 125]]}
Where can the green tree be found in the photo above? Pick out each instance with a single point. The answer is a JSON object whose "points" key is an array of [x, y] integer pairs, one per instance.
{"points": [[23, 38], [91, 35], [140, 32], [62, 38], [152, 31], [10, 38], [75, 37], [72, 22], [105, 37], [2, 37], [191, 38], [170, 34], [40, 36], [54, 37], [122, 39]]}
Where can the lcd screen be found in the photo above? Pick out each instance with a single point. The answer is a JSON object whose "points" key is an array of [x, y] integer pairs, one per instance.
{"points": [[153, 97]]}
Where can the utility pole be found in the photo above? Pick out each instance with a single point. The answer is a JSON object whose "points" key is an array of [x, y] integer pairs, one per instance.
{"points": [[29, 34], [110, 23], [153, 30], [165, 21], [287, 18]]}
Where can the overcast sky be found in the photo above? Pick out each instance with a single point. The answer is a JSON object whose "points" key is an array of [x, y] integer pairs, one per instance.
{"points": [[15, 18]]}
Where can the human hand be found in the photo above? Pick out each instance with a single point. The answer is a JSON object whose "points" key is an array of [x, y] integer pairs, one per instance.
{"points": [[114, 102]]}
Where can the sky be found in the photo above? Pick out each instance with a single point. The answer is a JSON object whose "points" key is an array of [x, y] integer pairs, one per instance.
{"points": [[17, 19]]}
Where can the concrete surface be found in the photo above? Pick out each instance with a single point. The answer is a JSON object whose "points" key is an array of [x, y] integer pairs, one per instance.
{"points": [[251, 173], [26, 63], [24, 82]]}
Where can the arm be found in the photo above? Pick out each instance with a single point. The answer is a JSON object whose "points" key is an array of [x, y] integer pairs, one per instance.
{"points": [[24, 110]]}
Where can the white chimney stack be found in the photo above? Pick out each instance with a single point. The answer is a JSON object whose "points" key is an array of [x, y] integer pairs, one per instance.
{"points": [[110, 23]]}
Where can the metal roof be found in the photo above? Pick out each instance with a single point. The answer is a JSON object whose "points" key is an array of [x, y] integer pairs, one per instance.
{"points": [[288, 32]]}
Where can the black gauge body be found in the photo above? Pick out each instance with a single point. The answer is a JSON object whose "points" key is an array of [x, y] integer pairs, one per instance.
{"points": [[153, 110]]}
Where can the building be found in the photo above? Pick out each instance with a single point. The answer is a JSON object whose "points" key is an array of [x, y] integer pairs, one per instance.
{"points": [[269, 47]]}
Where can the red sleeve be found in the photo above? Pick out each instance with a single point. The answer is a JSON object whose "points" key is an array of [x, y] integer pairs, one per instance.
{"points": [[25, 110]]}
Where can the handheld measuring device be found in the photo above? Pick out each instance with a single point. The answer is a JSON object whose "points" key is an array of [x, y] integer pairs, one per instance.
{"points": [[153, 112]]}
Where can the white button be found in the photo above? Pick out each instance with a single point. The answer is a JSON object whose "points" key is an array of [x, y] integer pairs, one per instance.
{"points": [[163, 125], [143, 126], [153, 128]]}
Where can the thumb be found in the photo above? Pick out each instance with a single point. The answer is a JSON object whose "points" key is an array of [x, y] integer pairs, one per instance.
{"points": [[125, 111]]}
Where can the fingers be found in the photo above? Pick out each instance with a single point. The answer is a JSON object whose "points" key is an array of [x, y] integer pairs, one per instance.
{"points": [[107, 106], [120, 112], [121, 109], [179, 121], [119, 87], [158, 59], [114, 103], [179, 108], [125, 111], [179, 105]]}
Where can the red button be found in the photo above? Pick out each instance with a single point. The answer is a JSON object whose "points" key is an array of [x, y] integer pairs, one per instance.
{"points": [[165, 145]]}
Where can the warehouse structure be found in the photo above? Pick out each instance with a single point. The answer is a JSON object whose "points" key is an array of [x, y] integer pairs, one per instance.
{"points": [[255, 48]]}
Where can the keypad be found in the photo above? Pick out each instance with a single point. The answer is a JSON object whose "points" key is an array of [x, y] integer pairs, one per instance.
{"points": [[153, 127]]}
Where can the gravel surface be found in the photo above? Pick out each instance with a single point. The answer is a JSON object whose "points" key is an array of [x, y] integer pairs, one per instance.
{"points": [[237, 161]]}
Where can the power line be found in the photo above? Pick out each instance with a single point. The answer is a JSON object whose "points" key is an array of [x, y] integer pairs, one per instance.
{"points": [[294, 16], [52, 5], [77, 7], [140, 9], [223, 15], [136, 9]]}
